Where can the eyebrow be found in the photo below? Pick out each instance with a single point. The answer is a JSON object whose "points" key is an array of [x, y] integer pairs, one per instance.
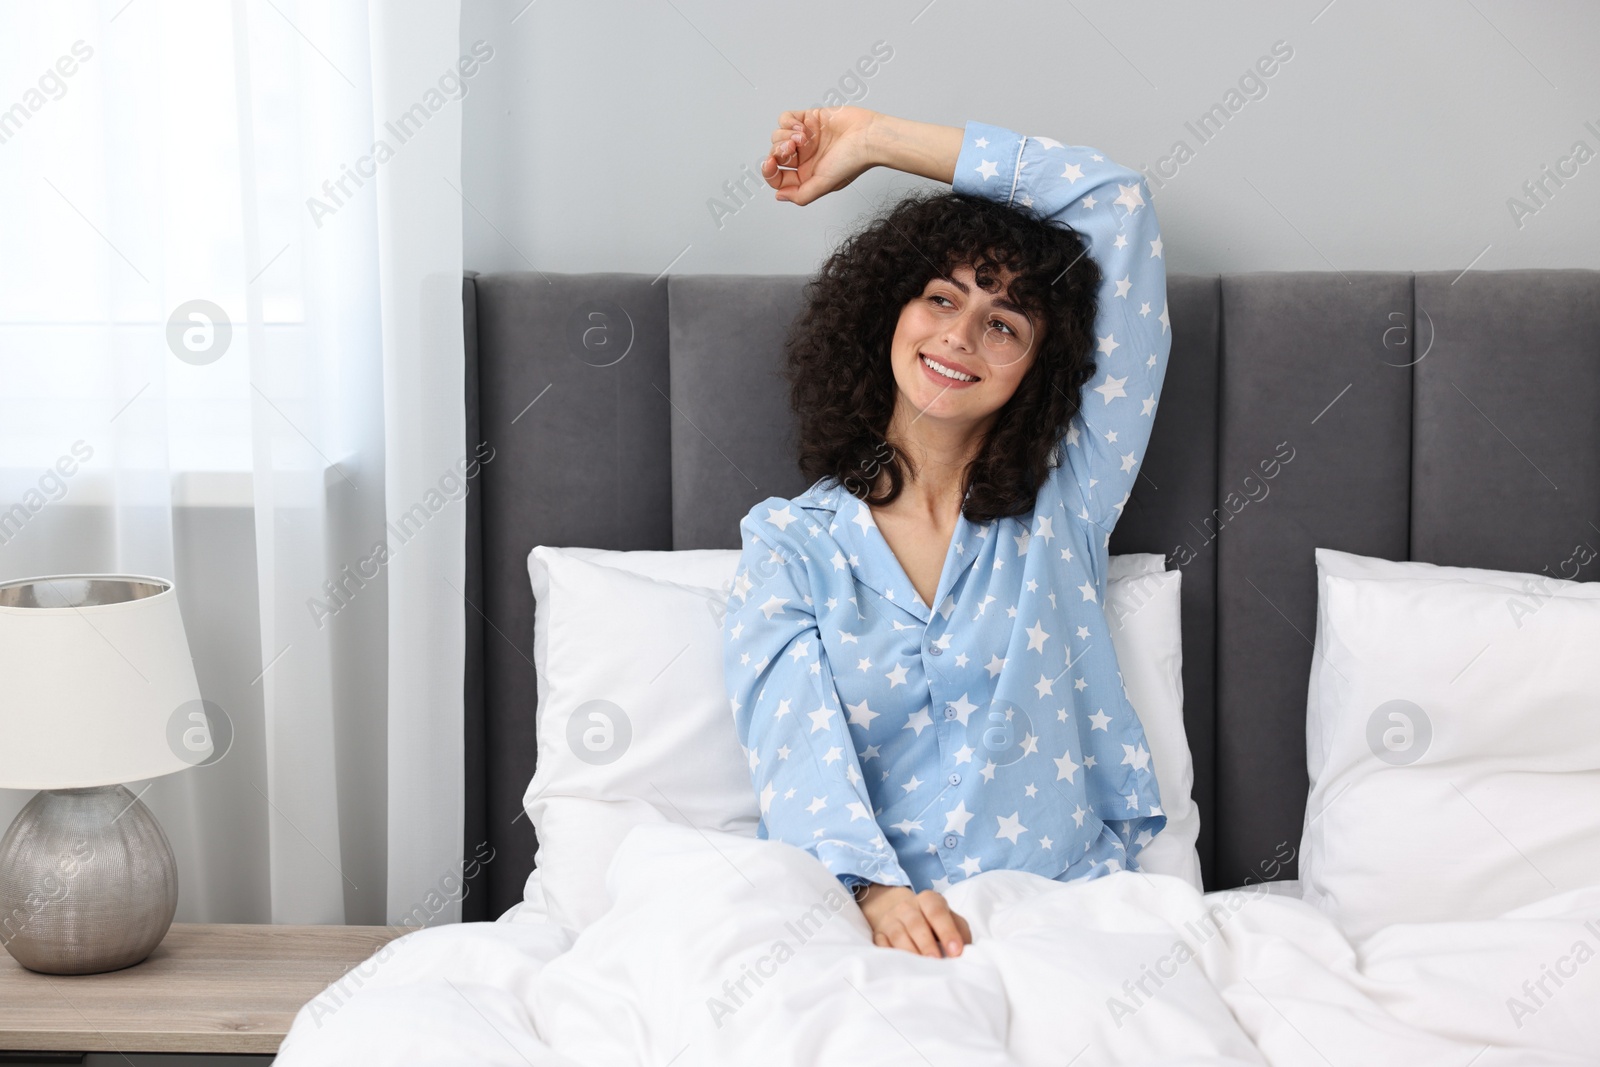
{"points": [[999, 301]]}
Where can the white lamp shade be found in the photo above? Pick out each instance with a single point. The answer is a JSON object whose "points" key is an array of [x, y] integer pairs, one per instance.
{"points": [[97, 686]]}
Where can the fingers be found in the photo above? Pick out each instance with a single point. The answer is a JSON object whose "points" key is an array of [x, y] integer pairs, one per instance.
{"points": [[770, 172], [799, 195], [809, 121], [785, 141], [942, 920], [775, 176], [922, 935], [923, 925], [793, 132], [910, 933], [900, 937], [793, 143], [777, 170]]}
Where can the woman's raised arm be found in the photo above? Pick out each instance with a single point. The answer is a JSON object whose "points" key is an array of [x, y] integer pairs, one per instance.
{"points": [[1108, 205]]}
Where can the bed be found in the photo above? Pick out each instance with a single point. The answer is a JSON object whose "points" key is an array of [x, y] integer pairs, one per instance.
{"points": [[1438, 417]]}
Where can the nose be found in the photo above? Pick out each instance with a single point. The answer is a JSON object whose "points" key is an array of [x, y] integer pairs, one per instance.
{"points": [[961, 331]]}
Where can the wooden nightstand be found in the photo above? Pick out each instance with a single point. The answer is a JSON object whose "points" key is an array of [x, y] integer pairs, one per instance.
{"points": [[208, 987]]}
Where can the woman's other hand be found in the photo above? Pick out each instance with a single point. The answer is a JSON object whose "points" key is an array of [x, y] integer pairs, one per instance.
{"points": [[921, 923], [819, 150]]}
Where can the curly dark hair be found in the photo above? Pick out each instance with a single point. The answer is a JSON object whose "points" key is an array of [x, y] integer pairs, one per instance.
{"points": [[842, 386]]}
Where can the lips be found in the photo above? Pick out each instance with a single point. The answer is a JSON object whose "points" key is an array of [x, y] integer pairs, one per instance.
{"points": [[933, 366]]}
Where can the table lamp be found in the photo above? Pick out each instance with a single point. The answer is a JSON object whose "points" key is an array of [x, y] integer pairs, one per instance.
{"points": [[98, 689]]}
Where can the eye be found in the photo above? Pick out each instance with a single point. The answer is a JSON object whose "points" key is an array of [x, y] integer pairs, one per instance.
{"points": [[1006, 326]]}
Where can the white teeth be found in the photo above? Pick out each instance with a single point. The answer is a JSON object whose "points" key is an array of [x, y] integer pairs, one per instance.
{"points": [[947, 372]]}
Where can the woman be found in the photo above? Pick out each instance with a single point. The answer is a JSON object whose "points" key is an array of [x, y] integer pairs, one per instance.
{"points": [[919, 667]]}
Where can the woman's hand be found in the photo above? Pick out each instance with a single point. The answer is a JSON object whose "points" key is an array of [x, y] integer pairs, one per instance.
{"points": [[817, 151], [921, 923]]}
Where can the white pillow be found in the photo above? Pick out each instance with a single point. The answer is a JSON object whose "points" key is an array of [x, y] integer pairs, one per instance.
{"points": [[1143, 610], [642, 631], [1131, 563], [1533, 588], [1350, 565], [1453, 742], [708, 568], [632, 723]]}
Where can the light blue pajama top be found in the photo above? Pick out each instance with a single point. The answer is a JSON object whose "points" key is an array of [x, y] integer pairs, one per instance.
{"points": [[917, 747]]}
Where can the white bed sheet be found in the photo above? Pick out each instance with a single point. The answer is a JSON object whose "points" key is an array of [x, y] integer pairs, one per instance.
{"points": [[686, 968], [531, 908]]}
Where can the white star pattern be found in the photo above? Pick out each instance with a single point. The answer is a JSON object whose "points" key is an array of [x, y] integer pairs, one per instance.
{"points": [[1111, 388], [860, 714], [953, 709], [1036, 636], [1010, 827]]}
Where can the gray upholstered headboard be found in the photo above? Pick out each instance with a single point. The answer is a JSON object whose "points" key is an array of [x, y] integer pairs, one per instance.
{"points": [[1436, 416]]}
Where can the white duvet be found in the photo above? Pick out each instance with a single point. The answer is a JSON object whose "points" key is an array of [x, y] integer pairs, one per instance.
{"points": [[722, 949]]}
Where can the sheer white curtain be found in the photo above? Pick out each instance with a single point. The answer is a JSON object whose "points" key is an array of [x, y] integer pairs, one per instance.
{"points": [[231, 354]]}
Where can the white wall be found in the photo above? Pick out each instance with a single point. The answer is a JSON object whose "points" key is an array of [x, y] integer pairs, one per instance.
{"points": [[1392, 139]]}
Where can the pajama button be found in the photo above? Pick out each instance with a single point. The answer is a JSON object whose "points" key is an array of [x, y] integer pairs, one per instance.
{"points": [[949, 711], [936, 650], [951, 841], [955, 779]]}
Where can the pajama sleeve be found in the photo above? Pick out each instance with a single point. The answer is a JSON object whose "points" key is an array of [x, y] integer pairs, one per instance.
{"points": [[1109, 206], [803, 762]]}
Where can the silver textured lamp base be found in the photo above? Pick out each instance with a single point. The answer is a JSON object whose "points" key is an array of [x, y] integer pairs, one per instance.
{"points": [[88, 882]]}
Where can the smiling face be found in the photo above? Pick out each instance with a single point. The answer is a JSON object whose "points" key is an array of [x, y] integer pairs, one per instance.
{"points": [[959, 351]]}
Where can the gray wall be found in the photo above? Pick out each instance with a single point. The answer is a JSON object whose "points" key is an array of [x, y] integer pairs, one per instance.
{"points": [[1393, 138]]}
